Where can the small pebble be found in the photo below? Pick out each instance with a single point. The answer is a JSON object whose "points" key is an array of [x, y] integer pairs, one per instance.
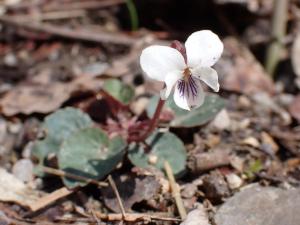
{"points": [[244, 102], [26, 153], [234, 181], [197, 217], [153, 159], [251, 141], [14, 128], [189, 190], [139, 105], [23, 170], [10, 60], [222, 120]]}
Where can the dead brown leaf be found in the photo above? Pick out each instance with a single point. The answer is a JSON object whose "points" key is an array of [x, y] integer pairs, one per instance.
{"points": [[42, 95], [14, 190], [29, 98], [133, 189]]}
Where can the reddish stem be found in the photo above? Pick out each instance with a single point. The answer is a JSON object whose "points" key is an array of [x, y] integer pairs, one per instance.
{"points": [[152, 124]]}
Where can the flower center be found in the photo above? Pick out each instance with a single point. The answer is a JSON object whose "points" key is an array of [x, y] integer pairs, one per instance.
{"points": [[188, 86], [186, 73]]}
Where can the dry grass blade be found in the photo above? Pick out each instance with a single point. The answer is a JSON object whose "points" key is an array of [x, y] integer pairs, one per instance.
{"points": [[175, 191], [114, 187], [50, 198]]}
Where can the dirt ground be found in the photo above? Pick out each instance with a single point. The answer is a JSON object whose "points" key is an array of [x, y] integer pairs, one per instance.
{"points": [[71, 81]]}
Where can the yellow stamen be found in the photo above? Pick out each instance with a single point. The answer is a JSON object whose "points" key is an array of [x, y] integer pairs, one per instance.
{"points": [[186, 74]]}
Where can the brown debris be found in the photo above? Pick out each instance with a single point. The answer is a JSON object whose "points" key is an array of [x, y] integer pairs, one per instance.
{"points": [[294, 108], [215, 187], [240, 71], [268, 144]]}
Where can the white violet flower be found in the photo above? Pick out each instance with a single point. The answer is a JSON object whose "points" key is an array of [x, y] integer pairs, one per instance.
{"points": [[183, 66]]}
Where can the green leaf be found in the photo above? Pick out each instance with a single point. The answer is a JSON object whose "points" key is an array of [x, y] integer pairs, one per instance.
{"points": [[134, 18], [59, 126], [120, 91], [42, 148], [163, 146], [91, 154], [196, 117], [254, 167]]}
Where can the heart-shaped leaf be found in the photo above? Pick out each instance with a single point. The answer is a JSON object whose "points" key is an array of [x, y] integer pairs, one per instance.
{"points": [[59, 126], [90, 153], [162, 146], [120, 91], [196, 117]]}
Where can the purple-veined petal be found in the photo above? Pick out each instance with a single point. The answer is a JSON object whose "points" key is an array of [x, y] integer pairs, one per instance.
{"points": [[189, 94], [158, 61], [207, 75], [170, 81], [203, 48]]}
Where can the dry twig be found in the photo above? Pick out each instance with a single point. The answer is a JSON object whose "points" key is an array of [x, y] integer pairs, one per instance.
{"points": [[72, 5], [61, 173], [129, 217], [76, 34], [63, 5]]}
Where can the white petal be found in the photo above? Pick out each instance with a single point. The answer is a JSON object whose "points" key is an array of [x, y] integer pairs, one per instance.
{"points": [[170, 81], [208, 75], [188, 101], [203, 48], [157, 61]]}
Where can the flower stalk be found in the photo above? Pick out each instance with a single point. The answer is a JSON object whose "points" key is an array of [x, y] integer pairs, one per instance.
{"points": [[155, 119], [152, 124]]}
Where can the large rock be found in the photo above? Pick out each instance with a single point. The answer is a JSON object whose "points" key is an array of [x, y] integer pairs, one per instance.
{"points": [[257, 205]]}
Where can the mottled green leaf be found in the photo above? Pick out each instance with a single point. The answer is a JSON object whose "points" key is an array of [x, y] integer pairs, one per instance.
{"points": [[120, 91], [90, 153], [196, 117], [59, 126], [162, 146]]}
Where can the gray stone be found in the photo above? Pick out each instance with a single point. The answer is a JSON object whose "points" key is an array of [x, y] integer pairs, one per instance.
{"points": [[257, 205], [234, 181]]}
